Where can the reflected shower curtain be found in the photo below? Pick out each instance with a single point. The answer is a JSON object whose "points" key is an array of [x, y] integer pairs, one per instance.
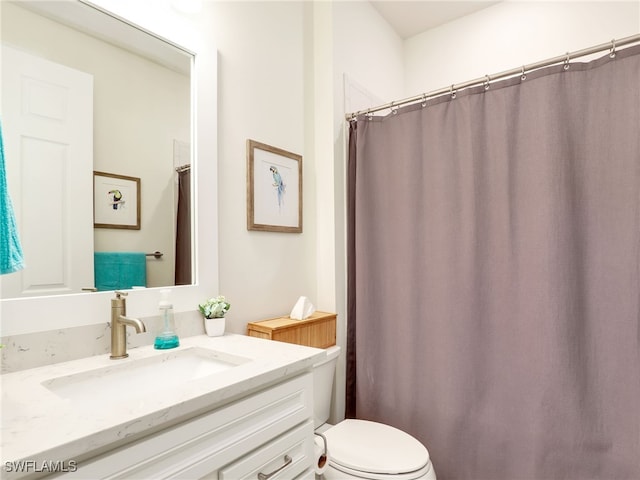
{"points": [[494, 285], [183, 229]]}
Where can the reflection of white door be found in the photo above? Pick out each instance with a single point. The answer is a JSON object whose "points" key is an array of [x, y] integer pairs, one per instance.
{"points": [[47, 122]]}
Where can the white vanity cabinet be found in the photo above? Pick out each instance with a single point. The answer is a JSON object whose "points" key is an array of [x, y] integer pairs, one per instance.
{"points": [[268, 433]]}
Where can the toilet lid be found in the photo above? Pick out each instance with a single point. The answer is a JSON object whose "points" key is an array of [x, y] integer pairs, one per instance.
{"points": [[375, 448]]}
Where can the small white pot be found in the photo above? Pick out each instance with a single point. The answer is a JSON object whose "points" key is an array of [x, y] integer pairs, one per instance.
{"points": [[214, 326]]}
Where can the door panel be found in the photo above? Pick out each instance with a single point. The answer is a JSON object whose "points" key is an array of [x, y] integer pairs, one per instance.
{"points": [[47, 112]]}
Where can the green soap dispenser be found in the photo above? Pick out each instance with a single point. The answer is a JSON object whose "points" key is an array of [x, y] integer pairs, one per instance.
{"points": [[166, 338]]}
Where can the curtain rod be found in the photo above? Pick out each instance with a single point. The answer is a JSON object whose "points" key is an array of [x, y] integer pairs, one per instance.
{"points": [[611, 46]]}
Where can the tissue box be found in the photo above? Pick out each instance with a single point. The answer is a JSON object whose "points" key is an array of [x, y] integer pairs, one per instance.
{"points": [[317, 330]]}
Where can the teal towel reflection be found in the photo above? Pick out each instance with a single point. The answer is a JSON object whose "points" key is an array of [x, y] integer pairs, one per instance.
{"points": [[11, 257], [120, 270]]}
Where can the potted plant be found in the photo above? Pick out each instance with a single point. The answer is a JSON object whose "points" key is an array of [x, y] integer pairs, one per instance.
{"points": [[214, 310]]}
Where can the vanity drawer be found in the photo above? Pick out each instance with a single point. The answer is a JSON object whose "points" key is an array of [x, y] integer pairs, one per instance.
{"points": [[198, 447], [286, 457]]}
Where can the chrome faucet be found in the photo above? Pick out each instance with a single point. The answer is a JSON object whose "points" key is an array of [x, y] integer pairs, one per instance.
{"points": [[119, 322]]}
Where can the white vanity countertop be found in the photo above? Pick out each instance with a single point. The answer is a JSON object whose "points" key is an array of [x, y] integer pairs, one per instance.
{"points": [[39, 425]]}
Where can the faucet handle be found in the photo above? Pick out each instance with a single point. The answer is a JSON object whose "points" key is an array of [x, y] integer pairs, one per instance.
{"points": [[120, 294]]}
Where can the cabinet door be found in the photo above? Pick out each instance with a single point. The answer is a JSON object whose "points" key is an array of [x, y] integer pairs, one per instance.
{"points": [[198, 447]]}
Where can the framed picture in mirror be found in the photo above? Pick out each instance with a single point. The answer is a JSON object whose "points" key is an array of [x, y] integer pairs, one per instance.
{"points": [[116, 201], [274, 189]]}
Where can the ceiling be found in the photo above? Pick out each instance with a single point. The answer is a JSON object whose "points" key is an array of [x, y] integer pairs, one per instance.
{"points": [[411, 17]]}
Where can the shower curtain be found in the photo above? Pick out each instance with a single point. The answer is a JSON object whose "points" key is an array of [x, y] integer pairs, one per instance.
{"points": [[494, 257]]}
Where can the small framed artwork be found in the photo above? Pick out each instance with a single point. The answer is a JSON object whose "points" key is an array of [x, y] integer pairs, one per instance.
{"points": [[116, 201], [274, 189]]}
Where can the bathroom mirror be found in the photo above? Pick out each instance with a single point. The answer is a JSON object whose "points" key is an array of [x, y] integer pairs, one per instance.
{"points": [[33, 315], [140, 127]]}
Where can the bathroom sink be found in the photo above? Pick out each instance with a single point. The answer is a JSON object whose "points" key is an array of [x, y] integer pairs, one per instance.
{"points": [[144, 377]]}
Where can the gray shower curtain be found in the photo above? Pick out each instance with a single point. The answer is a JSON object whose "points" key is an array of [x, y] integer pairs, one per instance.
{"points": [[494, 274]]}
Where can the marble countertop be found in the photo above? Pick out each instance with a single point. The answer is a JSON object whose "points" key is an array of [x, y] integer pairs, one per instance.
{"points": [[39, 425]]}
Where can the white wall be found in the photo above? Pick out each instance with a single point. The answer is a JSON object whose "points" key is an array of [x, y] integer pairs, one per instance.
{"points": [[367, 50], [261, 97], [510, 34]]}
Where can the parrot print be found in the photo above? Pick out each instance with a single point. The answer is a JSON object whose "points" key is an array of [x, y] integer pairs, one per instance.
{"points": [[278, 183]]}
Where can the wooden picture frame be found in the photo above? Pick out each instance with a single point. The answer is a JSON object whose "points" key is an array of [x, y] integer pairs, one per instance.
{"points": [[116, 201], [274, 189]]}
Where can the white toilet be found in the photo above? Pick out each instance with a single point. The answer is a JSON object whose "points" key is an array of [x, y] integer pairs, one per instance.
{"points": [[361, 449]]}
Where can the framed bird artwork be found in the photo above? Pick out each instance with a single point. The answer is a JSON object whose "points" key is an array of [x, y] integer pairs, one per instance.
{"points": [[274, 189], [116, 201]]}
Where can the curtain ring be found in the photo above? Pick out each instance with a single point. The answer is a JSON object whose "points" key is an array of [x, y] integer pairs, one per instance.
{"points": [[612, 51], [424, 100], [524, 74], [369, 115], [566, 62], [452, 92], [394, 108], [487, 82]]}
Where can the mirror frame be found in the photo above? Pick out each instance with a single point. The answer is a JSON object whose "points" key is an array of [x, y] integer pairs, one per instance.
{"points": [[39, 314]]}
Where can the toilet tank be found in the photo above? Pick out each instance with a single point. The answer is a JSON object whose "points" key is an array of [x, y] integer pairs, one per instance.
{"points": [[323, 374]]}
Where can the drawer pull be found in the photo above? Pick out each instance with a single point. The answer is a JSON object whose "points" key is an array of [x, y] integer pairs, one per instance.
{"points": [[267, 476]]}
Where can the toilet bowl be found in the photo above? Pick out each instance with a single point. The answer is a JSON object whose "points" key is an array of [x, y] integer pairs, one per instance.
{"points": [[361, 449]]}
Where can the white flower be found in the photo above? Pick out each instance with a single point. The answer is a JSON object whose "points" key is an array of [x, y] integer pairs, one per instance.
{"points": [[215, 307]]}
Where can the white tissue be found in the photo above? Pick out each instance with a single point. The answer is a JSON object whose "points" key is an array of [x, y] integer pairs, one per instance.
{"points": [[302, 309], [320, 457]]}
